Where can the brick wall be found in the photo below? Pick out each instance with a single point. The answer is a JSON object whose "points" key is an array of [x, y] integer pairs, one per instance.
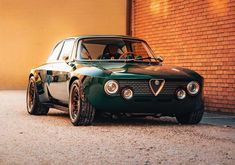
{"points": [[196, 34]]}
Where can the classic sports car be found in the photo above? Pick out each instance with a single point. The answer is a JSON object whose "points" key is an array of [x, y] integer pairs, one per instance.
{"points": [[116, 75]]}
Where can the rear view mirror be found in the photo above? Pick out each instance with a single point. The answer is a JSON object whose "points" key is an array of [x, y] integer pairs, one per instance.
{"points": [[160, 58], [65, 58]]}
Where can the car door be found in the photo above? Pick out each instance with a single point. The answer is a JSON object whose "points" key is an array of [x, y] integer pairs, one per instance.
{"points": [[58, 87], [45, 70]]}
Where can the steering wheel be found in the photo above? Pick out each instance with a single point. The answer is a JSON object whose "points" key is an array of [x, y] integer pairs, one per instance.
{"points": [[125, 54]]}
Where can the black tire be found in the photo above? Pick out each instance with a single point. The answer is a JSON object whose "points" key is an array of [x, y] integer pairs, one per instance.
{"points": [[190, 118], [34, 107], [81, 112]]}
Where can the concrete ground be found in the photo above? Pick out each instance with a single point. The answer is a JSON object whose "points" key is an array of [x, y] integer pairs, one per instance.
{"points": [[51, 139]]}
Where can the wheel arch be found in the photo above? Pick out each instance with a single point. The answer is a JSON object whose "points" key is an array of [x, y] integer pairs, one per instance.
{"points": [[31, 75], [76, 78], [72, 80]]}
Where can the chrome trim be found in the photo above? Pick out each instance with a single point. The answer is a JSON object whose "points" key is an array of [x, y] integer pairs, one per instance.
{"points": [[129, 97], [107, 91], [159, 89], [198, 88], [182, 97]]}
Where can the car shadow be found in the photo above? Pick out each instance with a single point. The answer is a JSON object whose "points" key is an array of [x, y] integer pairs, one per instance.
{"points": [[58, 114], [108, 121], [135, 121], [121, 121]]}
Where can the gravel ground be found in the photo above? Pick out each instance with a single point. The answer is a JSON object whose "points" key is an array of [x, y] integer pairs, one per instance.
{"points": [[52, 139]]}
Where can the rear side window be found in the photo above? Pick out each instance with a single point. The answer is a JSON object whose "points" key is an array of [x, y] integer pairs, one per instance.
{"points": [[56, 52], [67, 48]]}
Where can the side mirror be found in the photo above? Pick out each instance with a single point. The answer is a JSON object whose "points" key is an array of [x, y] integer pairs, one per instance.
{"points": [[65, 58], [160, 58]]}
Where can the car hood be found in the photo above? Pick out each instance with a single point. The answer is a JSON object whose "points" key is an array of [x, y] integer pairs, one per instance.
{"points": [[146, 70]]}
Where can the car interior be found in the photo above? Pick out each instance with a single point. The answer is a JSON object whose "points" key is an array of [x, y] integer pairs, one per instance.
{"points": [[111, 49]]}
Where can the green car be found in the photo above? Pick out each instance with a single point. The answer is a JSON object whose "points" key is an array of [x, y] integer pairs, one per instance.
{"points": [[117, 75]]}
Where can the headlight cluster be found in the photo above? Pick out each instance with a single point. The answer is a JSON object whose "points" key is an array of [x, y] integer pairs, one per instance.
{"points": [[127, 93], [192, 88], [111, 87], [181, 94]]}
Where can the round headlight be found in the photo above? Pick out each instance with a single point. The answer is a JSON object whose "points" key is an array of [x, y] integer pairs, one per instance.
{"points": [[127, 93], [181, 94], [193, 87], [111, 87]]}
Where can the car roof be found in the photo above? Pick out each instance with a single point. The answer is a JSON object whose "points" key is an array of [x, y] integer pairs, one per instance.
{"points": [[104, 36]]}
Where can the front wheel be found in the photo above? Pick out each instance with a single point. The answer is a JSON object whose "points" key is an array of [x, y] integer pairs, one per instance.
{"points": [[190, 118], [34, 107], [81, 112]]}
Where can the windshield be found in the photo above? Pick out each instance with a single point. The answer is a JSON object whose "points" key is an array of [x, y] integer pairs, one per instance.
{"points": [[116, 49]]}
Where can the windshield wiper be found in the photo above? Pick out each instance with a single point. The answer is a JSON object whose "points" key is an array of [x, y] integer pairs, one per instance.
{"points": [[158, 59]]}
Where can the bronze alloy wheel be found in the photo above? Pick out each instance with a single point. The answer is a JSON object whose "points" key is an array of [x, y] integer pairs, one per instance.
{"points": [[81, 112], [74, 102], [31, 95], [34, 106]]}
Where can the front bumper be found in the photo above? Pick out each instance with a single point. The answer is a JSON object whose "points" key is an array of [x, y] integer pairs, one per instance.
{"points": [[164, 104], [147, 105]]}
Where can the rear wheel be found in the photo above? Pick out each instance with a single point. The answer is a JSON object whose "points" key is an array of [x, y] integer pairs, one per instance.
{"points": [[81, 112], [190, 118], [34, 107]]}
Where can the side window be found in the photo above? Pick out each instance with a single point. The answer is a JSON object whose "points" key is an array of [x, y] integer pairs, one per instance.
{"points": [[67, 48], [55, 53]]}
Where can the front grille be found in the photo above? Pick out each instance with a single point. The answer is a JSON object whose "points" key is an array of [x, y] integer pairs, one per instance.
{"points": [[142, 88]]}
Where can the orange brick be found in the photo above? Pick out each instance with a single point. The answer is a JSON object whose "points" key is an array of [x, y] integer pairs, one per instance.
{"points": [[197, 36]]}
